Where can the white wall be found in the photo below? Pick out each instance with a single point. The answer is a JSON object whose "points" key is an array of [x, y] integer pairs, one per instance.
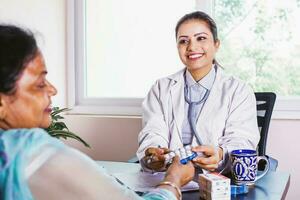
{"points": [[47, 19], [115, 138]]}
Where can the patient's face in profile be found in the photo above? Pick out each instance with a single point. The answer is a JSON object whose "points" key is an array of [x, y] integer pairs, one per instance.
{"points": [[196, 45], [29, 105]]}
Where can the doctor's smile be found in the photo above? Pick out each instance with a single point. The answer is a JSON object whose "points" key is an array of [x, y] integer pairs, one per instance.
{"points": [[194, 56]]}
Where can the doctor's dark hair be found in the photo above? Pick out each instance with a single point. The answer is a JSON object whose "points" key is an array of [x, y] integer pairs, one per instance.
{"points": [[201, 16], [17, 48]]}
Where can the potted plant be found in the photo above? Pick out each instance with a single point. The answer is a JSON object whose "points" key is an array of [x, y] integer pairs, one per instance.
{"points": [[59, 129]]}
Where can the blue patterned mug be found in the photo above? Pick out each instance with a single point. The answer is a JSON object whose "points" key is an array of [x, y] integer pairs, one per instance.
{"points": [[244, 166]]}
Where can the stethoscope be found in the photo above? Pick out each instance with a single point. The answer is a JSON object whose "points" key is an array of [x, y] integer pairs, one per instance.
{"points": [[187, 98]]}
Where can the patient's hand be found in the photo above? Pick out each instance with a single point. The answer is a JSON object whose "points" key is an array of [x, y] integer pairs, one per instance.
{"points": [[177, 175], [154, 158], [180, 174]]}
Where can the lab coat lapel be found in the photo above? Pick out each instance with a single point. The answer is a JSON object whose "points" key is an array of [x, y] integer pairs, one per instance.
{"points": [[177, 98], [204, 126]]}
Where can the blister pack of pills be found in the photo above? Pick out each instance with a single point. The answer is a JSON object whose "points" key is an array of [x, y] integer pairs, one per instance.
{"points": [[185, 154]]}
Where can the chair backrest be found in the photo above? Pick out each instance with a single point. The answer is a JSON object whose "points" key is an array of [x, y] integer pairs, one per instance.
{"points": [[264, 103]]}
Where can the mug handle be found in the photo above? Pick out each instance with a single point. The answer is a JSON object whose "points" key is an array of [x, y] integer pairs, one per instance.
{"points": [[266, 168]]}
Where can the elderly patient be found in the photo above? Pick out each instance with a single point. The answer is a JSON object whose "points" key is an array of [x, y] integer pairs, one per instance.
{"points": [[32, 164]]}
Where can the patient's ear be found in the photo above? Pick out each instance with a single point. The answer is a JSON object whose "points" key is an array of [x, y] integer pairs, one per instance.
{"points": [[2, 107]]}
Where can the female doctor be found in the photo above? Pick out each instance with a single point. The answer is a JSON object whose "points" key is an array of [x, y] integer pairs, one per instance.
{"points": [[199, 105]]}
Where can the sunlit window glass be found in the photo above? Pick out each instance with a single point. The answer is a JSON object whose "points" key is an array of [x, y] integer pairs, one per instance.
{"points": [[260, 43], [130, 44]]}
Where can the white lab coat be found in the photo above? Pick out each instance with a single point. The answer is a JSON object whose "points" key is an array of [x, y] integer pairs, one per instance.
{"points": [[228, 118]]}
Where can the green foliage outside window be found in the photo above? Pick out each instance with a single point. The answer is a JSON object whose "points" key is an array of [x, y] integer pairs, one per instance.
{"points": [[260, 43]]}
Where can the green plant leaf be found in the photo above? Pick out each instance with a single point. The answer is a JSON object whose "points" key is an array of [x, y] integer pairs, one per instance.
{"points": [[59, 129], [60, 126], [57, 117], [66, 134], [56, 111]]}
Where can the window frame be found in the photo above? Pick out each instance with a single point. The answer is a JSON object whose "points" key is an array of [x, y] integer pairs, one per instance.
{"points": [[76, 53], [285, 107]]}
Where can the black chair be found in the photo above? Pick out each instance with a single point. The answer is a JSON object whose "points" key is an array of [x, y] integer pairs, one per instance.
{"points": [[264, 104]]}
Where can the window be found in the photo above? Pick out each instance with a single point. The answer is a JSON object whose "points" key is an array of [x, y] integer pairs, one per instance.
{"points": [[260, 42], [127, 45], [122, 47]]}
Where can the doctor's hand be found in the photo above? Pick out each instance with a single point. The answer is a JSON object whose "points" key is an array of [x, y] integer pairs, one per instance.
{"points": [[212, 156], [154, 158]]}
